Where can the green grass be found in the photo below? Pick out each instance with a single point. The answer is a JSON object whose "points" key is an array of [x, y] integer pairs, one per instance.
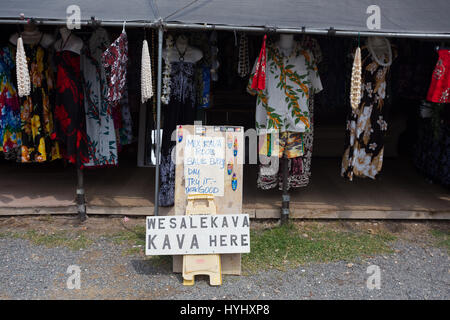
{"points": [[136, 237], [58, 239], [442, 238], [279, 247], [133, 237], [286, 246]]}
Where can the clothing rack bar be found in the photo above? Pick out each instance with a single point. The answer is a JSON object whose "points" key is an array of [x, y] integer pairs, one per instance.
{"points": [[56, 22], [199, 27]]}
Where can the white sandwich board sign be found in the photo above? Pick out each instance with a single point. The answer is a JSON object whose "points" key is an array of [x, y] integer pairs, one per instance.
{"points": [[197, 234]]}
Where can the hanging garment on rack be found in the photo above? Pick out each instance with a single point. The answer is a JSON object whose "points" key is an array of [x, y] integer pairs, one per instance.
{"points": [[117, 119], [22, 73], [180, 111], [10, 132], [122, 121], [432, 148], [70, 117], [439, 91], [367, 124], [302, 178], [299, 167], [101, 136], [283, 104], [36, 109], [126, 129], [301, 172], [203, 86], [115, 60], [146, 73], [299, 164]]}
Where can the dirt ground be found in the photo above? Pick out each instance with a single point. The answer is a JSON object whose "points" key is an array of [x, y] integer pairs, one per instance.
{"points": [[414, 267]]}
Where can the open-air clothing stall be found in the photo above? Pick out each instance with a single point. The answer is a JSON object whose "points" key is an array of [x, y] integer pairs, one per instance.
{"points": [[357, 19]]}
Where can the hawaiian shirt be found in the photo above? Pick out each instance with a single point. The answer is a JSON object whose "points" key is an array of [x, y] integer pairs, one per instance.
{"points": [[290, 81], [114, 60]]}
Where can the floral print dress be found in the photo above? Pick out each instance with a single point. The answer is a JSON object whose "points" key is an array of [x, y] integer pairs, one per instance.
{"points": [[70, 118], [101, 135], [366, 125], [10, 128], [36, 109], [439, 90], [115, 62]]}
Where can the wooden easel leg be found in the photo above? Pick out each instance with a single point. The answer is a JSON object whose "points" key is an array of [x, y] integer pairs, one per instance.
{"points": [[216, 278]]}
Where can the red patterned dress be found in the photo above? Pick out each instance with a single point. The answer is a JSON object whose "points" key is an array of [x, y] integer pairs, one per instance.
{"points": [[115, 60], [439, 91], [70, 120]]}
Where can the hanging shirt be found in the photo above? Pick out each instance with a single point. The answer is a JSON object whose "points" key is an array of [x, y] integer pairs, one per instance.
{"points": [[290, 81], [114, 60]]}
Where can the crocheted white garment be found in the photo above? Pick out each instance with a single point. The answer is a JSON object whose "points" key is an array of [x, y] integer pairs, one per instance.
{"points": [[146, 74], [355, 90], [243, 64], [23, 76]]}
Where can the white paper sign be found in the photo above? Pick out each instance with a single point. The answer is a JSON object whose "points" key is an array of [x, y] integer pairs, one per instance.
{"points": [[204, 164], [197, 234]]}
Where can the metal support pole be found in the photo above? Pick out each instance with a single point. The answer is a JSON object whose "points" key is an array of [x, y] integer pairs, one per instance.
{"points": [[81, 201], [158, 118], [286, 197], [205, 27]]}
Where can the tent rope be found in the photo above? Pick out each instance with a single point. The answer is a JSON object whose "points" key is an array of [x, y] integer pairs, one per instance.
{"points": [[181, 9], [155, 9]]}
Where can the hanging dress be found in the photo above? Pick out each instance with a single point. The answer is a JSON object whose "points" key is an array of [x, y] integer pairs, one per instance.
{"points": [[101, 135], [367, 125], [439, 90], [10, 128], [126, 129], [115, 62], [36, 109], [179, 111], [70, 118]]}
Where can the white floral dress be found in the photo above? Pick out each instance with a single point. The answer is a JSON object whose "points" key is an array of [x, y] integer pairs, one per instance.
{"points": [[101, 135]]}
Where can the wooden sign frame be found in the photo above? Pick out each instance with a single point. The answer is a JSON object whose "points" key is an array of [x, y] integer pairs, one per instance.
{"points": [[231, 201]]}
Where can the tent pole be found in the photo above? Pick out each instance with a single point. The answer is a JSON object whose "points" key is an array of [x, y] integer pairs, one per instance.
{"points": [[158, 118], [81, 201], [286, 198]]}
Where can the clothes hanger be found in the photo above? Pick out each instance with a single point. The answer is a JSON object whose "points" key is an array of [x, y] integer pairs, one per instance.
{"points": [[123, 28]]}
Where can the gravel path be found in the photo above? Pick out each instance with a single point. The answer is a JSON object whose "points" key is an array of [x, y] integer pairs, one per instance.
{"points": [[27, 271]]}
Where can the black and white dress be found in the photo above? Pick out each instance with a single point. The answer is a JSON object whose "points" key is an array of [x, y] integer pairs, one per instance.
{"points": [[179, 111]]}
